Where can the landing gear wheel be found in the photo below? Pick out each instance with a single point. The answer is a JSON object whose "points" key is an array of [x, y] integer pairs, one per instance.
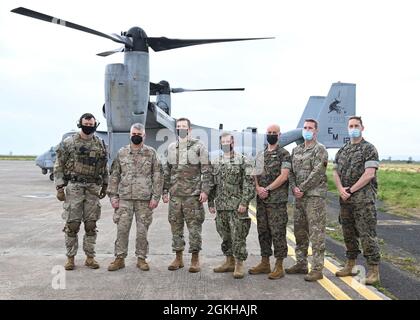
{"points": [[44, 171], [52, 176]]}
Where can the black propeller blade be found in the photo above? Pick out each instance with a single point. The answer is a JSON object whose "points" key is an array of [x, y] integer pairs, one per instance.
{"points": [[44, 17], [178, 90], [163, 43], [108, 53]]}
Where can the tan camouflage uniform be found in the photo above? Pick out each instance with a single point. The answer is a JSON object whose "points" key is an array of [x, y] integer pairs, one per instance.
{"points": [[187, 174], [308, 173], [358, 214], [233, 186], [136, 177], [272, 211], [81, 165]]}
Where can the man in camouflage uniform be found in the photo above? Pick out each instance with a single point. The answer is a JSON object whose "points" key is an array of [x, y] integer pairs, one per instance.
{"points": [[271, 182], [135, 187], [232, 191], [81, 178], [188, 181], [354, 172], [308, 181]]}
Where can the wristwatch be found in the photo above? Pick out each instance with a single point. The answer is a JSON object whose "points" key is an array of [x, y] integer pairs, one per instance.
{"points": [[348, 190]]}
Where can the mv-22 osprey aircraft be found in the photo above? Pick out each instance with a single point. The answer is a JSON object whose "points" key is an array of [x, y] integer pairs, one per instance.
{"points": [[128, 90]]}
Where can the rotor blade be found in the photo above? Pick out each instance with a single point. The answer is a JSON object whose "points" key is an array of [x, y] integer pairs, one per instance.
{"points": [[108, 53], [44, 17], [178, 90], [163, 43]]}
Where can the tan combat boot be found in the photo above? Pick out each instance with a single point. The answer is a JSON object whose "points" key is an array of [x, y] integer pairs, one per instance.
{"points": [[278, 271], [177, 263], [142, 264], [373, 275], [347, 269], [227, 266], [91, 263], [298, 268], [69, 264], [314, 275], [239, 269], [262, 267], [117, 264], [195, 263]]}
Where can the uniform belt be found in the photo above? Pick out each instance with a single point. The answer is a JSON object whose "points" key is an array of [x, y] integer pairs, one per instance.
{"points": [[85, 179]]}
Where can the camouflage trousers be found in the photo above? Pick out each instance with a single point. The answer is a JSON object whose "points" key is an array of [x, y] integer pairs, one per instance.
{"points": [[359, 221], [233, 228], [271, 226], [190, 210], [126, 211], [309, 225], [81, 205]]}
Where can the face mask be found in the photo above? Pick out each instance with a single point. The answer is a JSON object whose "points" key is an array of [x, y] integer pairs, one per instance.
{"points": [[355, 133], [136, 139], [272, 138], [182, 133], [227, 148], [307, 135], [88, 130]]}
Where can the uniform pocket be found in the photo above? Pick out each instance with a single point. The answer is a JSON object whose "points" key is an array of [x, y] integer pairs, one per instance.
{"points": [[66, 210]]}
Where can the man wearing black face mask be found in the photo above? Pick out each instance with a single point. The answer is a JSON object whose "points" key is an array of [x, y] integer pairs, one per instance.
{"points": [[188, 182], [271, 183], [81, 179], [135, 187]]}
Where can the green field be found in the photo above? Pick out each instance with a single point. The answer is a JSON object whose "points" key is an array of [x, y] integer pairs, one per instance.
{"points": [[6, 157], [399, 187]]}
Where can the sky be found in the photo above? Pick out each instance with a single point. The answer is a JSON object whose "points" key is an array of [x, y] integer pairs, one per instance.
{"points": [[50, 75]]}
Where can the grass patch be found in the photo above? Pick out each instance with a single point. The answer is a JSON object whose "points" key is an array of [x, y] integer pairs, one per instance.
{"points": [[385, 291], [25, 158], [408, 264], [399, 187]]}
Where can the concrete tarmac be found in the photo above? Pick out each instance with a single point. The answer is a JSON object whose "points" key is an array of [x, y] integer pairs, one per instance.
{"points": [[32, 254]]}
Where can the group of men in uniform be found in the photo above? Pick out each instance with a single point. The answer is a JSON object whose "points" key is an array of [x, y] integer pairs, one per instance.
{"points": [[186, 180]]}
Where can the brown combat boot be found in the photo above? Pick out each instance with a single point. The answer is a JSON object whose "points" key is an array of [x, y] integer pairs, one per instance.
{"points": [[117, 264], [69, 264], [227, 266], [91, 263], [298, 268], [262, 267], [278, 271], [347, 269], [314, 275], [177, 263], [195, 263], [239, 269], [373, 275], [142, 264]]}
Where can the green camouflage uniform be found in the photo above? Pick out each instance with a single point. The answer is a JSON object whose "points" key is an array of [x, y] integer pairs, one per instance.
{"points": [[233, 186], [81, 165], [272, 211], [136, 177], [358, 213], [309, 165], [187, 174]]}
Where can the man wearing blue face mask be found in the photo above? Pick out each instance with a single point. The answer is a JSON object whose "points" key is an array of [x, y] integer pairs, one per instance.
{"points": [[354, 173], [308, 181]]}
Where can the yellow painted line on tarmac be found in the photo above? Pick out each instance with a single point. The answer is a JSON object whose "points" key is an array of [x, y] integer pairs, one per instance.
{"points": [[327, 284], [354, 284]]}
